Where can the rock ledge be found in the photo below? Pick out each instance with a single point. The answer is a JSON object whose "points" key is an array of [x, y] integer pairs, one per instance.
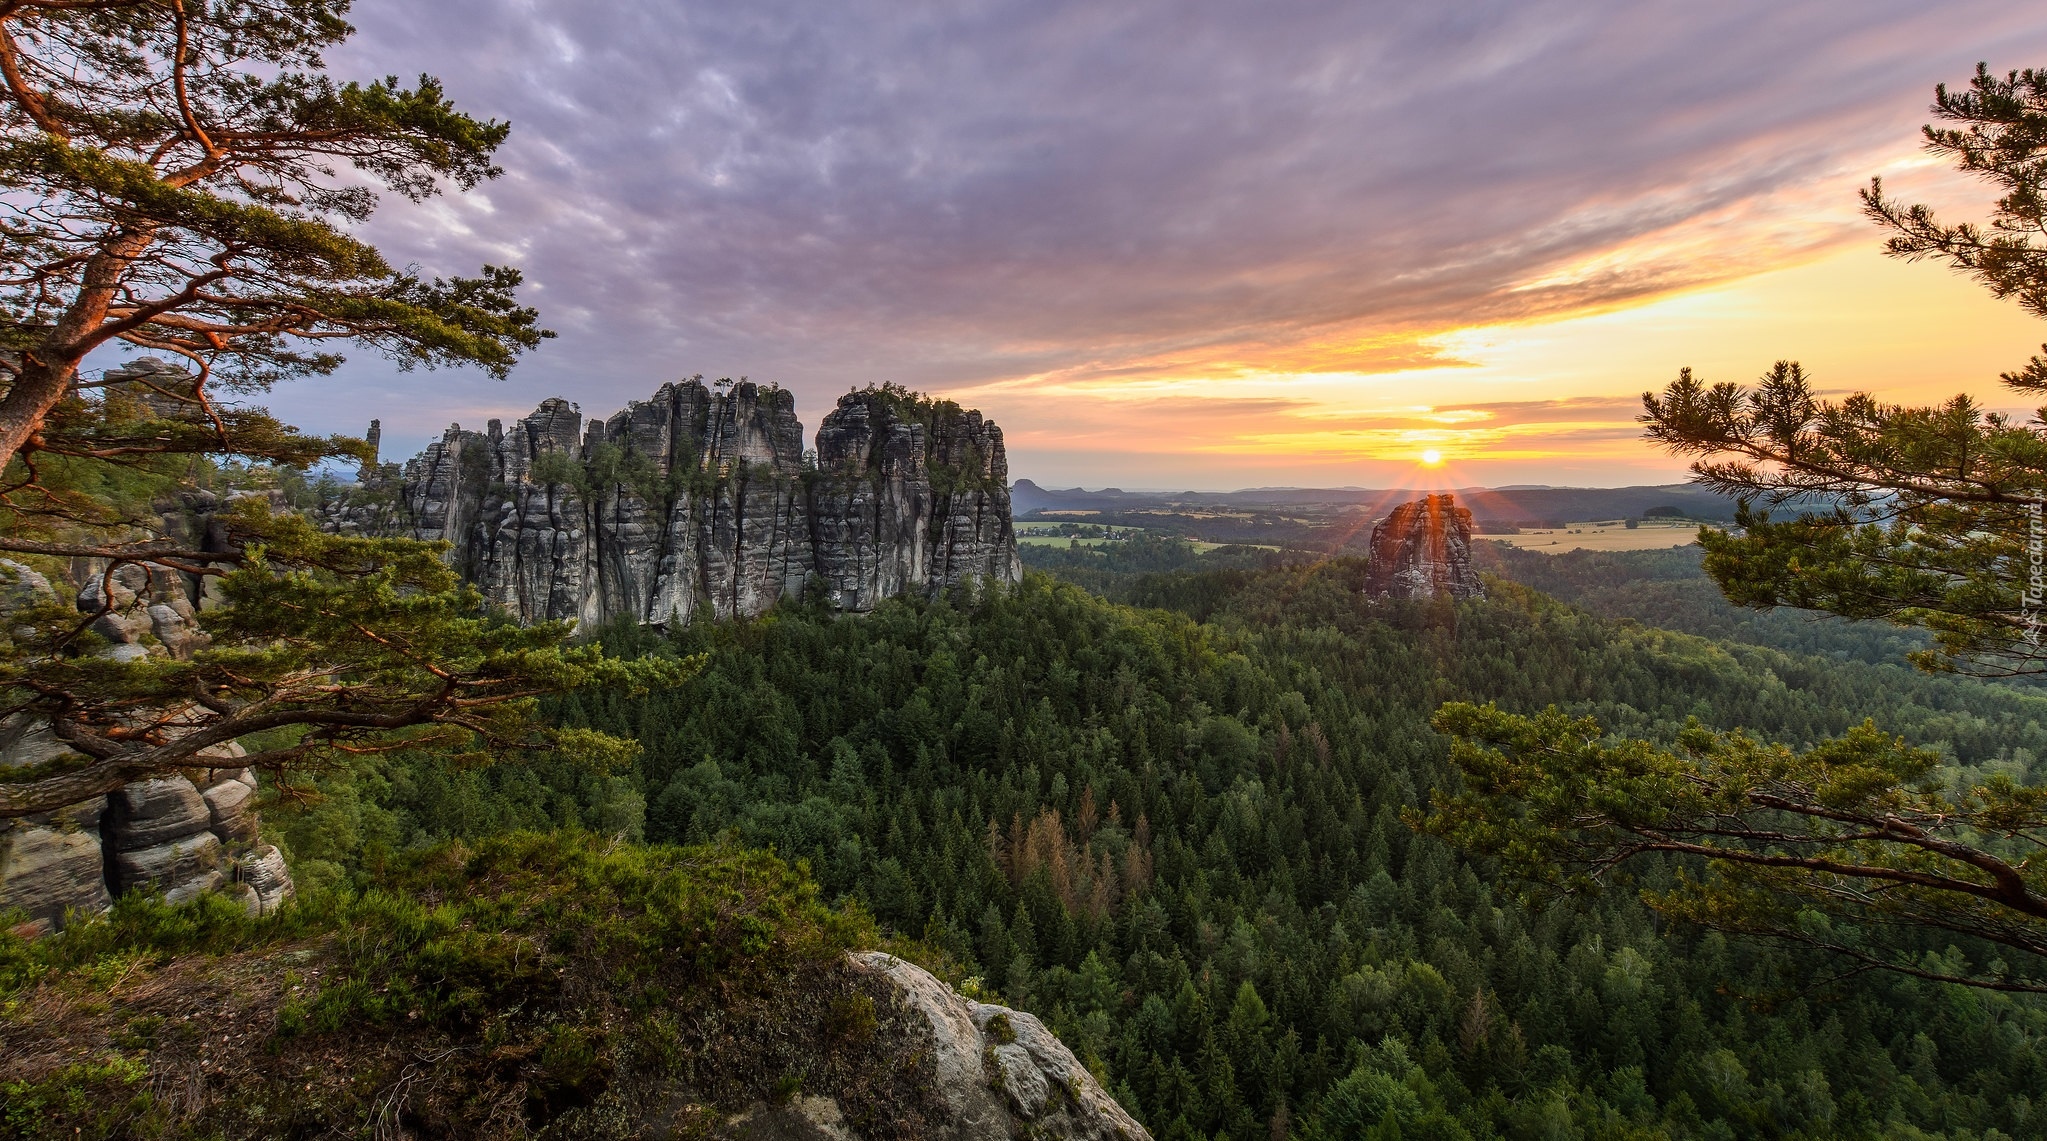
{"points": [[1002, 1073]]}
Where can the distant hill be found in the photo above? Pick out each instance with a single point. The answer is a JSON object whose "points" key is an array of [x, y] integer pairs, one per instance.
{"points": [[1518, 505]]}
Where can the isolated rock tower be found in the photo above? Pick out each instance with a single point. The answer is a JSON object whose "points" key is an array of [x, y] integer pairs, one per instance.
{"points": [[1423, 550]]}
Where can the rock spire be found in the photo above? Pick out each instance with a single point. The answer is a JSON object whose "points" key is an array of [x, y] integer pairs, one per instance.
{"points": [[1423, 550]]}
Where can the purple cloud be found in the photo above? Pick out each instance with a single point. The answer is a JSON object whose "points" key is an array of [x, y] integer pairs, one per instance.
{"points": [[826, 194]]}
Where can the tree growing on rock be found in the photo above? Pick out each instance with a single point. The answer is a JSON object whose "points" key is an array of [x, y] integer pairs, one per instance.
{"points": [[172, 179]]}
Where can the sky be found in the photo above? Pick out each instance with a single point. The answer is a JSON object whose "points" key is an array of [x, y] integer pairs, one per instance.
{"points": [[1201, 245]]}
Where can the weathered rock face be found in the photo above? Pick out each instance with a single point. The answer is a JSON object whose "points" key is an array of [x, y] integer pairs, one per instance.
{"points": [[176, 836], [701, 500], [51, 865], [904, 502], [1423, 550], [1000, 1071]]}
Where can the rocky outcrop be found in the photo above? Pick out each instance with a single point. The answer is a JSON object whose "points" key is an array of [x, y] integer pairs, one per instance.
{"points": [[703, 501], [909, 496], [176, 836], [1001, 1073], [997, 1074], [1423, 550], [52, 865], [589, 1009]]}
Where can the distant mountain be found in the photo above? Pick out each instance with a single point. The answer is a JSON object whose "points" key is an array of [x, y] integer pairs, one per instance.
{"points": [[1026, 497]]}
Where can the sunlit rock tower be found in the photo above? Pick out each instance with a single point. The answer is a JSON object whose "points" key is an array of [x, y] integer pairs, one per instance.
{"points": [[1423, 550]]}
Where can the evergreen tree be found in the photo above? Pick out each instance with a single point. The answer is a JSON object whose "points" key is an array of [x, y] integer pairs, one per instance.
{"points": [[168, 182], [1924, 516], [1225, 759], [1835, 846]]}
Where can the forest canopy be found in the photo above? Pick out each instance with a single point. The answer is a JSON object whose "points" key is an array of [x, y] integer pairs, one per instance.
{"points": [[1181, 844]]}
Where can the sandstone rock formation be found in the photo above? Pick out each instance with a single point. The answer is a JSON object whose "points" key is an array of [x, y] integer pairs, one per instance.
{"points": [[1001, 1073], [175, 836], [703, 500], [52, 864], [1423, 550]]}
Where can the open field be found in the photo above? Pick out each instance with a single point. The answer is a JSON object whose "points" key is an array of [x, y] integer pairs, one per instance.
{"points": [[1602, 536], [1201, 547], [1042, 535], [1061, 541]]}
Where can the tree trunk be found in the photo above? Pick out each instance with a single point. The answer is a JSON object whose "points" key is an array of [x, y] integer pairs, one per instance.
{"points": [[48, 370], [36, 390]]}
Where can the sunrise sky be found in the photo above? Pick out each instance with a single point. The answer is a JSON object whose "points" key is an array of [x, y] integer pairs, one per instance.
{"points": [[1202, 245]]}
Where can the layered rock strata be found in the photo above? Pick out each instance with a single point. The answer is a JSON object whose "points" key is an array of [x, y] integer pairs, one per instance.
{"points": [[1423, 550], [703, 501], [176, 836]]}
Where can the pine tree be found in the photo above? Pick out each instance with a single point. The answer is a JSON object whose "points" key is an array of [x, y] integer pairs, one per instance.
{"points": [[167, 182], [1923, 516]]}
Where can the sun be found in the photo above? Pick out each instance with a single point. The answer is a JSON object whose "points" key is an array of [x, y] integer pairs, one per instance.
{"points": [[1431, 458]]}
